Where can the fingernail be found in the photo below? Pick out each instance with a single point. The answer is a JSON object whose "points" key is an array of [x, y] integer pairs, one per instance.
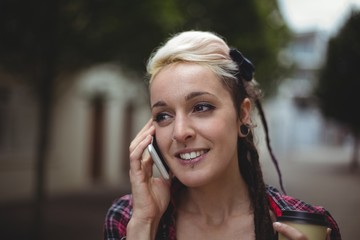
{"points": [[276, 224]]}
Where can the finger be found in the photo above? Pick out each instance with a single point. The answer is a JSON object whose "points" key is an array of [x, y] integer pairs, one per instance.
{"points": [[146, 126], [148, 129], [147, 165], [328, 233], [288, 231], [136, 154]]}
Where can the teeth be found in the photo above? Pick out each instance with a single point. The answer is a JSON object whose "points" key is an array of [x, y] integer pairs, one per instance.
{"points": [[189, 156]]}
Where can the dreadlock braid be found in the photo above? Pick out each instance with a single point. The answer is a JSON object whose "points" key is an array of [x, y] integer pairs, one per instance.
{"points": [[250, 170], [249, 164], [248, 156]]}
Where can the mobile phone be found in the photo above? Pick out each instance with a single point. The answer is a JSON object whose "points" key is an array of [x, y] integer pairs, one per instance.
{"points": [[157, 160]]}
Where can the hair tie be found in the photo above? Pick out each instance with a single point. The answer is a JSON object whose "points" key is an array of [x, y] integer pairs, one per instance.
{"points": [[246, 68]]}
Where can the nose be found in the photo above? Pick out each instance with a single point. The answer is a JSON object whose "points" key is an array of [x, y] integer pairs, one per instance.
{"points": [[183, 130]]}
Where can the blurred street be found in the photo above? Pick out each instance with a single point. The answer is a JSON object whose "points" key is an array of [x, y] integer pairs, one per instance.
{"points": [[320, 176], [74, 216]]}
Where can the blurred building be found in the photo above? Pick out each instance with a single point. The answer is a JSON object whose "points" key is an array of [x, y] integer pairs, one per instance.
{"points": [[95, 115], [296, 123]]}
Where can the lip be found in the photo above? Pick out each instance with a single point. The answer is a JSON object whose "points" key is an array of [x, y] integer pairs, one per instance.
{"points": [[194, 156]]}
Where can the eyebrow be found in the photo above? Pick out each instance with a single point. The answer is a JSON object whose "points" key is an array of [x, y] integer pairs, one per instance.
{"points": [[196, 94], [187, 98]]}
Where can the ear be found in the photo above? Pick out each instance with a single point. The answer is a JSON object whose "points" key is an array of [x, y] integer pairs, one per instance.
{"points": [[245, 114]]}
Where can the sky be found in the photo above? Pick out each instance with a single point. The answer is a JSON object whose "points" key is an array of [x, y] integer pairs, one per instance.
{"points": [[327, 15]]}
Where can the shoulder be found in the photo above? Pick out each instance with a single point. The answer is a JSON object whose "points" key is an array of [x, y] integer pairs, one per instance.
{"points": [[285, 202], [280, 202], [122, 206], [117, 218]]}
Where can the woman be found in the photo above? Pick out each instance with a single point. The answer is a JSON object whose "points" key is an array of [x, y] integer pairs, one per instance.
{"points": [[201, 95]]}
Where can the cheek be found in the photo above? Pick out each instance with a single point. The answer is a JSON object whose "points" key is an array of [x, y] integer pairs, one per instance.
{"points": [[163, 138], [220, 133], [225, 124]]}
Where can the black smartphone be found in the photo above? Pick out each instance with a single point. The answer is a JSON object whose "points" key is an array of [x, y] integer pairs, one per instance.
{"points": [[160, 164]]}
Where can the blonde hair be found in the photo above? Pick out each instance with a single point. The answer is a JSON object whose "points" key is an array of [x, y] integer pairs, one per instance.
{"points": [[199, 47]]}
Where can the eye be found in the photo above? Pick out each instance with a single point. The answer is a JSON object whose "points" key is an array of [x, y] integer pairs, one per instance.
{"points": [[203, 107], [161, 117]]}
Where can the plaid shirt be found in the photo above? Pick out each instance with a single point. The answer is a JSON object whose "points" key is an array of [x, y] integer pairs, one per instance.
{"points": [[120, 212]]}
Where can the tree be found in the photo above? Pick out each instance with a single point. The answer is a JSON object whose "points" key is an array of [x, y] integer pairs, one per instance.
{"points": [[339, 81], [254, 27], [85, 32]]}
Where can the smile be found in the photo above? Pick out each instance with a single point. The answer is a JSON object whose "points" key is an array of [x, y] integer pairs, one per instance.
{"points": [[192, 155]]}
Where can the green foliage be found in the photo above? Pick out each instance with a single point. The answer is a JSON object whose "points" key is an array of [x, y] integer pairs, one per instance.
{"points": [[111, 30], [254, 27], [339, 82], [82, 32]]}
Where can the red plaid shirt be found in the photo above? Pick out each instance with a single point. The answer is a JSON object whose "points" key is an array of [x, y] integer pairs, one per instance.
{"points": [[120, 212]]}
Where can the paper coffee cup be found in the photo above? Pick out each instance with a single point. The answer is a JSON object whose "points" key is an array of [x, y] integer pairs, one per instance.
{"points": [[313, 225]]}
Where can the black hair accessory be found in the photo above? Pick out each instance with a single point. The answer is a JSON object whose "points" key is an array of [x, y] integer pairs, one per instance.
{"points": [[246, 68]]}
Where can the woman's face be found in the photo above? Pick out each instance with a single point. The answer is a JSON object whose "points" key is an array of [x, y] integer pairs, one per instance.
{"points": [[196, 123]]}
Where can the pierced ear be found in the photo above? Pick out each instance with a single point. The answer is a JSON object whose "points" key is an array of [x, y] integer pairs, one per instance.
{"points": [[245, 111], [245, 118]]}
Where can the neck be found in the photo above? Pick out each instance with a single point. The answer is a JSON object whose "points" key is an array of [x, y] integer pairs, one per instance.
{"points": [[218, 201]]}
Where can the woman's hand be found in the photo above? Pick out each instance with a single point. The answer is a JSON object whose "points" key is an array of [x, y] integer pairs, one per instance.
{"points": [[151, 195], [292, 233]]}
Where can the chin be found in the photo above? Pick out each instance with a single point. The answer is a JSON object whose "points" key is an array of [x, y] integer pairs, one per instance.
{"points": [[193, 180]]}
